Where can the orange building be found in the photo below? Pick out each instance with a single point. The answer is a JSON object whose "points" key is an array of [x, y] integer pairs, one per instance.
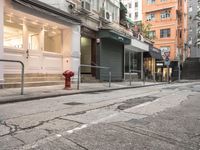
{"points": [[169, 25]]}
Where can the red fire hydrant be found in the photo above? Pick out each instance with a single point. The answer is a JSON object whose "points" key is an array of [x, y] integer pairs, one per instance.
{"points": [[68, 74]]}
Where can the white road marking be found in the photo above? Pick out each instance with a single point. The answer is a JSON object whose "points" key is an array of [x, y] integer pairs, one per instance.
{"points": [[141, 105], [77, 128], [58, 135]]}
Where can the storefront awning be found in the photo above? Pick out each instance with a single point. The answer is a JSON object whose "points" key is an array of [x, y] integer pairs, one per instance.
{"points": [[137, 46], [155, 53], [129, 20], [109, 33], [123, 8], [48, 10]]}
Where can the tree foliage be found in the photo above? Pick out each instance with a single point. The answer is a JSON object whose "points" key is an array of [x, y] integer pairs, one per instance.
{"points": [[143, 29]]}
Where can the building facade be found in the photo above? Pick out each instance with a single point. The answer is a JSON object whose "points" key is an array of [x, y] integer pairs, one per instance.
{"points": [[168, 20], [134, 9], [193, 28], [100, 26], [50, 37], [45, 39]]}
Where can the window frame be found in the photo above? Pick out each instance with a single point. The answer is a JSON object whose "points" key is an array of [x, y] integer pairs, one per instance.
{"points": [[164, 32]]}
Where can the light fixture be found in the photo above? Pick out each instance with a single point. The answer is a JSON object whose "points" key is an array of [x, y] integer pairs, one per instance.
{"points": [[9, 20], [46, 24], [55, 27], [35, 22]]}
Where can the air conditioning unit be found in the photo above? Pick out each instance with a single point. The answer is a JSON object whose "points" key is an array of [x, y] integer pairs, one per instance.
{"points": [[107, 16], [85, 6]]}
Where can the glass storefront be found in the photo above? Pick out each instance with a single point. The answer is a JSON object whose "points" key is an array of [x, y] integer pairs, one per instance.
{"points": [[132, 61], [34, 36], [52, 40], [149, 67], [13, 33], [37, 35]]}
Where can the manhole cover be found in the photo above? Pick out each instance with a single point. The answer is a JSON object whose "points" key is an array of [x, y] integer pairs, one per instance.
{"points": [[73, 103]]}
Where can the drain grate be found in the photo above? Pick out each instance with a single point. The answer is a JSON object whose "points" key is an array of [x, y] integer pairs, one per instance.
{"points": [[136, 101], [73, 103]]}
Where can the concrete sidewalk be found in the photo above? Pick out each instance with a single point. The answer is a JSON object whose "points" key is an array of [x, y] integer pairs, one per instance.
{"points": [[31, 93]]}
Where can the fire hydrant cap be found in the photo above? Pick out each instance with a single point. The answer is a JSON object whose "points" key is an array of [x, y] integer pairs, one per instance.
{"points": [[68, 73]]}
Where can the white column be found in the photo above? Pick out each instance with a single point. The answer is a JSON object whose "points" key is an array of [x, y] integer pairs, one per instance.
{"points": [[1, 38], [71, 49], [76, 50]]}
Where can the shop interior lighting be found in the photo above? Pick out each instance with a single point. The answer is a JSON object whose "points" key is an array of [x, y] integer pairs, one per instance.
{"points": [[9, 20], [55, 27], [35, 22]]}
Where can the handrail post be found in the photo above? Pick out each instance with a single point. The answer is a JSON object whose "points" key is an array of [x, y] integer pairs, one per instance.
{"points": [[130, 77], [91, 66], [78, 81], [22, 79], [110, 78], [22, 72]]}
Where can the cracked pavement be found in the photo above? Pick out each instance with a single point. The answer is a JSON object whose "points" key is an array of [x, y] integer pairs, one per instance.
{"points": [[160, 117]]}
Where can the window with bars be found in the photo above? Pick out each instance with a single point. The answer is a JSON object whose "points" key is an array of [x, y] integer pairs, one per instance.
{"points": [[150, 17], [165, 14]]}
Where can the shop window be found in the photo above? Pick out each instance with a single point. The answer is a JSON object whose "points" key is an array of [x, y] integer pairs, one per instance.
{"points": [[34, 37], [52, 40], [13, 32], [132, 61]]}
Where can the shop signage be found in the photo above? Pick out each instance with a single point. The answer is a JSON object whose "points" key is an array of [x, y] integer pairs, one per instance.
{"points": [[114, 35], [121, 38], [155, 50], [159, 64], [165, 51]]}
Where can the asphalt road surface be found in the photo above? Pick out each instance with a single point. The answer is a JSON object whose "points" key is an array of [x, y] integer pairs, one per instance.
{"points": [[164, 117]]}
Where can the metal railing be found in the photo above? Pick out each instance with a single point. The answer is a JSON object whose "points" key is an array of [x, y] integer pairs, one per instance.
{"points": [[132, 71], [91, 66], [22, 72]]}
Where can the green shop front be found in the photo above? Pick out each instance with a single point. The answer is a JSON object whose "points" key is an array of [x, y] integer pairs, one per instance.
{"points": [[110, 53]]}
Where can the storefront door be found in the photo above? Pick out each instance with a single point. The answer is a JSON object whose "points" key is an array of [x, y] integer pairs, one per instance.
{"points": [[33, 55], [86, 49]]}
